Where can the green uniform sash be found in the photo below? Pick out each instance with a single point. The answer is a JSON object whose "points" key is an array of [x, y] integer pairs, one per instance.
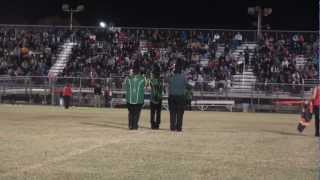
{"points": [[135, 89], [156, 91]]}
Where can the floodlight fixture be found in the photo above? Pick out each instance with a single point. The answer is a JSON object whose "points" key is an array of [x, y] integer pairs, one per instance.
{"points": [[66, 8]]}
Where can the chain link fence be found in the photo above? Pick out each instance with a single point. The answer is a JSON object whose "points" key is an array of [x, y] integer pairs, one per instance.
{"points": [[45, 91]]}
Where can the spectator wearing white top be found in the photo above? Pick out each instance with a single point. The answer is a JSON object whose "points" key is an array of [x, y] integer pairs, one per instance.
{"points": [[285, 64], [200, 81], [238, 39], [241, 62], [216, 38]]}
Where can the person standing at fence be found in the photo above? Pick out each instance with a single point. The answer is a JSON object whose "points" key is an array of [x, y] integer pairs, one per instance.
{"points": [[177, 100], [316, 106], [135, 96], [156, 98], [61, 98], [108, 96], [67, 94], [189, 96], [97, 95]]}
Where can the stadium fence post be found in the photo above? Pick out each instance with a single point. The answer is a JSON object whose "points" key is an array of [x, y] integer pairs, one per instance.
{"points": [[45, 93], [52, 92], [1, 93], [251, 100], [29, 90], [71, 20], [80, 90]]}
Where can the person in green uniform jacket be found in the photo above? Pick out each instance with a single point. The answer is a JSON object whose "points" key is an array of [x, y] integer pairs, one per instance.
{"points": [[177, 99], [135, 96], [156, 98]]}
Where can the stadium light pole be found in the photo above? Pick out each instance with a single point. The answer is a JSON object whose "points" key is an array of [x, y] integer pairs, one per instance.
{"points": [[66, 8], [260, 12]]}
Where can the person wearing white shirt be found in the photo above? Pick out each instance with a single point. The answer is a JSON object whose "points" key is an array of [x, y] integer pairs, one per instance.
{"points": [[200, 80], [285, 63], [238, 39], [241, 62], [216, 37]]}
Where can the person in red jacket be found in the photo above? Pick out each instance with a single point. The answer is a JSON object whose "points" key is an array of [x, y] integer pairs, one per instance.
{"points": [[67, 94], [316, 108]]}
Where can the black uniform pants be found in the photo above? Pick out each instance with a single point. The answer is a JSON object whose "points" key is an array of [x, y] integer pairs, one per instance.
{"points": [[189, 107], [176, 107], [134, 115], [155, 114], [66, 101], [317, 122]]}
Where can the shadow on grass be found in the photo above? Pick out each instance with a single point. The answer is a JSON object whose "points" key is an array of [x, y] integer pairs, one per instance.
{"points": [[284, 133], [105, 125], [115, 125]]}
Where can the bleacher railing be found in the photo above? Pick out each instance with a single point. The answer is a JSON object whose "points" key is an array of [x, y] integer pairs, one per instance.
{"points": [[46, 91], [248, 35]]}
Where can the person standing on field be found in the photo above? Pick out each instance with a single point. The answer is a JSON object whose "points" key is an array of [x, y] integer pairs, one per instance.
{"points": [[135, 96], [156, 98], [177, 99], [61, 98], [316, 106], [108, 96], [97, 95], [67, 94]]}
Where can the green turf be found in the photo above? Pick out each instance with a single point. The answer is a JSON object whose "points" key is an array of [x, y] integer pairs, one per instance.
{"points": [[82, 143]]}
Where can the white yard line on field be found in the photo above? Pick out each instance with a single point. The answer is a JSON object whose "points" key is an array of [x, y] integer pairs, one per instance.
{"points": [[72, 154]]}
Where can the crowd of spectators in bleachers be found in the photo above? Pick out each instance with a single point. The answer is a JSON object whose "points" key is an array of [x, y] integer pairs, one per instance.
{"points": [[207, 55], [286, 59], [28, 52], [102, 54]]}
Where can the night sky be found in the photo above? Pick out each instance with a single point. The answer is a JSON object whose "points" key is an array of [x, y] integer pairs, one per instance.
{"points": [[287, 14]]}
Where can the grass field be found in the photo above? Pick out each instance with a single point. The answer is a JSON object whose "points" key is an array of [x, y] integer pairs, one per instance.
{"points": [[81, 143]]}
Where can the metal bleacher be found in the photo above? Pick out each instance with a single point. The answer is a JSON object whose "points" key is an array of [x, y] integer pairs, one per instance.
{"points": [[246, 80]]}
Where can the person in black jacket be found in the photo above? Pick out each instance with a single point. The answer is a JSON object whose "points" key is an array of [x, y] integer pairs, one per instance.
{"points": [[108, 96], [177, 99], [156, 98], [97, 95]]}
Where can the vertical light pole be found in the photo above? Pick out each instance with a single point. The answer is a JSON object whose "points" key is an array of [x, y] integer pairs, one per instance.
{"points": [[66, 8], [260, 13]]}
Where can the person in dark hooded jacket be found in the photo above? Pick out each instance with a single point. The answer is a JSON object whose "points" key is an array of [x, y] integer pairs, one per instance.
{"points": [[177, 99]]}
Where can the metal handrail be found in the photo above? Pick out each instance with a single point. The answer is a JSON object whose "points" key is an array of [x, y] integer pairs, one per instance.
{"points": [[119, 77], [155, 28]]}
